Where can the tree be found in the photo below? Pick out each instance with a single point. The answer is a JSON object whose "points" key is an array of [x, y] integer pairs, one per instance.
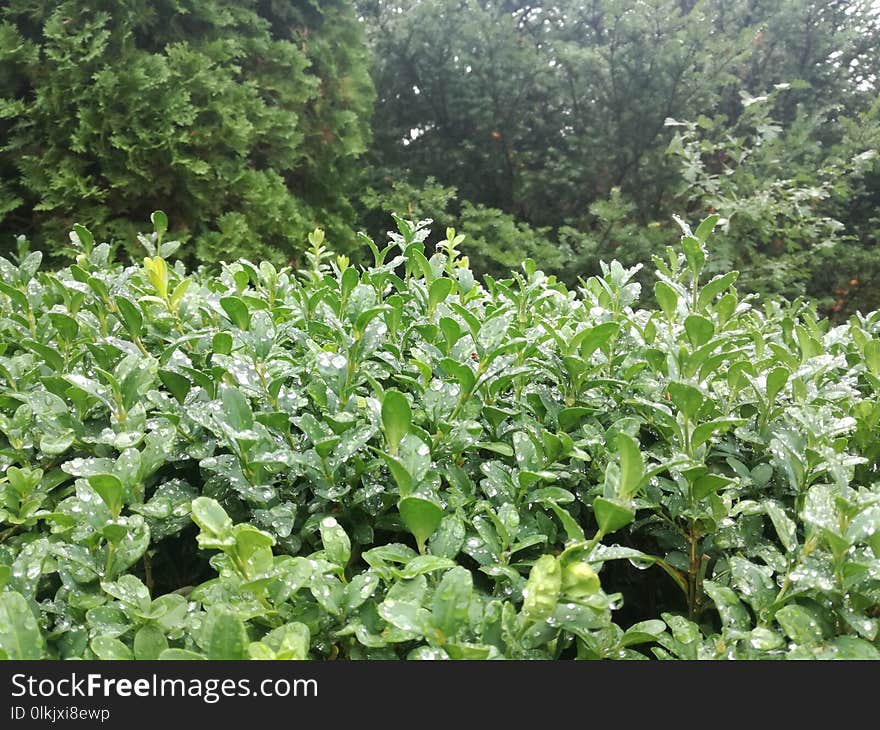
{"points": [[241, 119], [556, 112]]}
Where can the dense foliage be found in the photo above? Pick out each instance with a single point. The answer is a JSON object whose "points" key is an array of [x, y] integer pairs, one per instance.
{"points": [[555, 123], [241, 119], [401, 461], [564, 131]]}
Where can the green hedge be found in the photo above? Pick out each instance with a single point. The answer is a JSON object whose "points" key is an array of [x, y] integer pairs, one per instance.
{"points": [[401, 461]]}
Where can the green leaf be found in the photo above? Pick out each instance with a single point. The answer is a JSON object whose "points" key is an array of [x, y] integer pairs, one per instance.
{"points": [[210, 516], [864, 525], [704, 230], [51, 356], [349, 282], [579, 581], [572, 529], [66, 325], [438, 291], [450, 329], [178, 385], [612, 514], [667, 298], [19, 299], [20, 636], [109, 648], [462, 373], [785, 527], [587, 341], [221, 343], [29, 266], [223, 635], [288, 642], [801, 625], [110, 490], [180, 655], [684, 631], [130, 591], [694, 253], [149, 642], [776, 380], [733, 614], [131, 316], [423, 564], [337, 546], [253, 550], [407, 617], [452, 600], [237, 311], [396, 418], [421, 516], [643, 632], [705, 431], [872, 357], [717, 285], [160, 222], [632, 466], [699, 329], [114, 533], [392, 553], [84, 236], [448, 537], [571, 418], [526, 452], [753, 583], [400, 473], [360, 589], [709, 484], [686, 398], [851, 648], [238, 409], [23, 481]]}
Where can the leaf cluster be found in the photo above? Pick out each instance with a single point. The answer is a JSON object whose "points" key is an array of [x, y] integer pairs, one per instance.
{"points": [[401, 461]]}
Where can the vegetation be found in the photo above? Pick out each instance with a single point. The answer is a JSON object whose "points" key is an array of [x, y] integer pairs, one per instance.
{"points": [[403, 461], [577, 130], [564, 131], [257, 433], [243, 120]]}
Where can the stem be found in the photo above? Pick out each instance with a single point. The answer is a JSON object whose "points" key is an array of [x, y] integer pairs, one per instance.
{"points": [[696, 570], [6, 534], [808, 548], [111, 552], [148, 572], [591, 545], [676, 575]]}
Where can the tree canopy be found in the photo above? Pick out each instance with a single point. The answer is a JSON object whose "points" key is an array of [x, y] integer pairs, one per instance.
{"points": [[565, 131], [241, 120], [558, 114]]}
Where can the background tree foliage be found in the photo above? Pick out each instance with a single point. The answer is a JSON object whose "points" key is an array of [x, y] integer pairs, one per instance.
{"points": [[570, 132], [556, 113], [242, 120]]}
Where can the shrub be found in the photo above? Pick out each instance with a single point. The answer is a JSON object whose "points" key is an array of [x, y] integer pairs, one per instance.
{"points": [[400, 461], [794, 198], [241, 119], [494, 241]]}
